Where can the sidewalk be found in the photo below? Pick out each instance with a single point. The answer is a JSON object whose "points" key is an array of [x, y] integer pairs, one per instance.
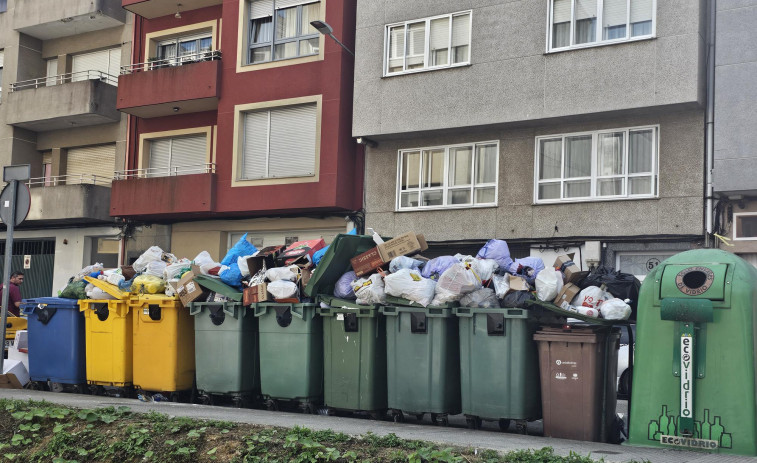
{"points": [[454, 436]]}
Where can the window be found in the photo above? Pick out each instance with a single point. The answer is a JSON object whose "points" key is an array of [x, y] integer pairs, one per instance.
{"points": [[104, 65], [429, 43], [184, 49], [576, 23], [448, 176], [612, 164], [177, 156], [280, 29], [745, 226], [3, 6], [640, 263], [279, 142], [2, 58]]}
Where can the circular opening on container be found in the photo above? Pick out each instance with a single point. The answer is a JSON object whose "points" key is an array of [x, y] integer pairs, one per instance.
{"points": [[154, 312], [217, 318], [102, 312], [695, 279]]}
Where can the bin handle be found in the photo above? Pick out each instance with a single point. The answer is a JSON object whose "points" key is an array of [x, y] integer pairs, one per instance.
{"points": [[300, 315], [194, 309], [463, 312], [260, 310], [230, 311]]}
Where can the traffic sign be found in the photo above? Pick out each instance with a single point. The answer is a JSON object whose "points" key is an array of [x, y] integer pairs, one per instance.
{"points": [[23, 203]]}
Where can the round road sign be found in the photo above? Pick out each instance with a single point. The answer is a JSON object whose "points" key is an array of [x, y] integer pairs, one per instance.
{"points": [[23, 203]]}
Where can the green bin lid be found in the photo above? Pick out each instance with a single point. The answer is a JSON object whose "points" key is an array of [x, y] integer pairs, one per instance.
{"points": [[217, 286], [335, 262]]}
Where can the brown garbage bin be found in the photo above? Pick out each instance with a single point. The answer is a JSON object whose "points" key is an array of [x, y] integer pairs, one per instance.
{"points": [[578, 366]]}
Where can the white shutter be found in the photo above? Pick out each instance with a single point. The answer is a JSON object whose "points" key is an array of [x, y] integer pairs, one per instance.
{"points": [[160, 154], [97, 61], [586, 9], [188, 154], [114, 62], [439, 35], [293, 136], [52, 71], [2, 57], [91, 160], [461, 30], [561, 11], [261, 8], [616, 12], [47, 157], [255, 145], [397, 42], [280, 4], [641, 10]]}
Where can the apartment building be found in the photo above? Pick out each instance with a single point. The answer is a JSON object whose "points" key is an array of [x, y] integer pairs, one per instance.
{"points": [[735, 141], [240, 119], [557, 125], [59, 66]]}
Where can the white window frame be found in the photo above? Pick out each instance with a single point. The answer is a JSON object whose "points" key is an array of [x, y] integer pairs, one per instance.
{"points": [[665, 254], [180, 59], [598, 29], [426, 57], [445, 187], [736, 217], [594, 175], [303, 36]]}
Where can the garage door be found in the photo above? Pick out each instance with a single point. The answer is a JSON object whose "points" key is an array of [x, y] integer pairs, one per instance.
{"points": [[91, 164]]}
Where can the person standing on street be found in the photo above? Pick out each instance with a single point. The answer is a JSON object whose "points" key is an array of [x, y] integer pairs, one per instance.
{"points": [[14, 297]]}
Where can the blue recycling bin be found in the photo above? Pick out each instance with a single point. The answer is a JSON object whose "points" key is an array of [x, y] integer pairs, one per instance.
{"points": [[56, 341]]}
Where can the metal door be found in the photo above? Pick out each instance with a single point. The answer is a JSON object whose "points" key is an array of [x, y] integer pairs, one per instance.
{"points": [[38, 278]]}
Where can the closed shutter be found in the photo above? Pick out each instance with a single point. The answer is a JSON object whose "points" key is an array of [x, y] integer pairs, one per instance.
{"points": [[439, 35], [616, 12], [2, 57], [97, 61], [293, 137], [461, 30], [261, 9], [641, 10], [397, 46], [280, 4], [586, 9], [114, 62], [188, 154], [52, 71], [160, 155], [561, 11], [91, 161], [47, 157], [255, 145]]}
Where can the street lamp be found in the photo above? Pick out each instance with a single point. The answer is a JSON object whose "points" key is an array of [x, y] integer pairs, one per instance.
{"points": [[324, 28]]}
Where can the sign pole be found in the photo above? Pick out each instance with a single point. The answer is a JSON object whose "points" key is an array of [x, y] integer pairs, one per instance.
{"points": [[7, 266]]}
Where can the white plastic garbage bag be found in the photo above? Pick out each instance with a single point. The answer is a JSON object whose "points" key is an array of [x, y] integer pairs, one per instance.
{"points": [[282, 273], [151, 255], [592, 297], [244, 269], [548, 284], [370, 290], [173, 271], [155, 268], [410, 285], [98, 294], [455, 282], [114, 278], [501, 284], [483, 298], [615, 309], [203, 258], [283, 289]]}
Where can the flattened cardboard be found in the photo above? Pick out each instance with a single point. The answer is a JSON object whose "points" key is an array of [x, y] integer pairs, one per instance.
{"points": [[188, 290], [255, 294], [266, 257], [572, 272], [378, 257], [519, 284], [367, 262], [568, 292]]}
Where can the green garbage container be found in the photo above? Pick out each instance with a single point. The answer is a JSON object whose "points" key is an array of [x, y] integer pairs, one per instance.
{"points": [[226, 347], [354, 335], [499, 367], [694, 376], [291, 354], [423, 362]]}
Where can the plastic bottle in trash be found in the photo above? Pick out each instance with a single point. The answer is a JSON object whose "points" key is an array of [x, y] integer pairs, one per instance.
{"points": [[159, 397], [376, 237]]}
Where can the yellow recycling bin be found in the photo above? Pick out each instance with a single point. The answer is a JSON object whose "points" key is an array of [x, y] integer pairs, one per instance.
{"points": [[108, 334], [164, 344]]}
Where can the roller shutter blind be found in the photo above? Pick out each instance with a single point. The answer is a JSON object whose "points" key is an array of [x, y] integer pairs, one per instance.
{"points": [[616, 12], [254, 164], [460, 30], [439, 35], [561, 11], [586, 9], [106, 61], [91, 160], [261, 9], [280, 4], [177, 156], [641, 10]]}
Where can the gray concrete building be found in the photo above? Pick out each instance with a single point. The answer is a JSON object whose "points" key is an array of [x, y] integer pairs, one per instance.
{"points": [[735, 140], [557, 125], [59, 67]]}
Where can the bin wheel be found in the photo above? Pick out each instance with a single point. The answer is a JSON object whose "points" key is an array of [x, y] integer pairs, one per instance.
{"points": [[439, 419], [398, 417], [238, 401], [309, 408], [473, 422], [521, 426], [35, 386], [175, 397], [624, 384], [419, 416], [78, 389], [504, 424], [378, 416], [96, 390], [272, 405], [205, 399]]}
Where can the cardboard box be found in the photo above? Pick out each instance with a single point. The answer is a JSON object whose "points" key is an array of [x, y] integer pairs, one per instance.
{"points": [[378, 257], [572, 272], [568, 292], [254, 294], [519, 284], [300, 249], [188, 290], [266, 257]]}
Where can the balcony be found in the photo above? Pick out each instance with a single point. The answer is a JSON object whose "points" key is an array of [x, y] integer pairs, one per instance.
{"points": [[189, 84], [156, 8], [164, 193], [69, 199], [61, 102], [52, 19]]}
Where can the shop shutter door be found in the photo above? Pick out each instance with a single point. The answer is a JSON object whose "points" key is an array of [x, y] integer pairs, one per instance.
{"points": [[293, 137], [90, 161]]}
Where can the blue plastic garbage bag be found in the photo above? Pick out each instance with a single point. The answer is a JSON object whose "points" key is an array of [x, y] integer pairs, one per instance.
{"points": [[436, 266], [401, 262], [232, 276], [241, 249], [497, 250], [527, 267], [343, 288], [322, 252]]}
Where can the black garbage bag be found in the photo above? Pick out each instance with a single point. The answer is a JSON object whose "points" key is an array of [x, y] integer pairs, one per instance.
{"points": [[621, 285], [517, 299]]}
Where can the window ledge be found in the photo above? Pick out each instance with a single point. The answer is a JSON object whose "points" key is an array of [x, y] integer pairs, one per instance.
{"points": [[591, 200], [418, 71], [606, 43], [445, 208]]}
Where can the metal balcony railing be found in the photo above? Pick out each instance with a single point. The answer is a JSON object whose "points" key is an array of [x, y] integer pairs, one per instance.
{"points": [[50, 81], [153, 172], [159, 63], [82, 179]]}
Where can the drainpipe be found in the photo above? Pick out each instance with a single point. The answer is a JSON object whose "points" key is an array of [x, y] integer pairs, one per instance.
{"points": [[709, 124]]}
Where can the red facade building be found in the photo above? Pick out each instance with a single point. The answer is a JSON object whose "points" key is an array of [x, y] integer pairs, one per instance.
{"points": [[240, 121]]}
